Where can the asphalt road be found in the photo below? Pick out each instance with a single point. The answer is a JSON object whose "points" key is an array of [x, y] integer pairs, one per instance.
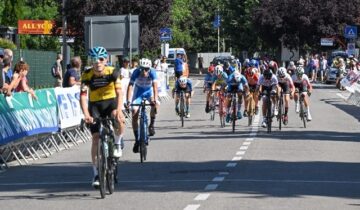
{"points": [[203, 166]]}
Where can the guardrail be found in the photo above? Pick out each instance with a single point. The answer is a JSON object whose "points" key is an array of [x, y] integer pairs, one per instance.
{"points": [[352, 84], [35, 129]]}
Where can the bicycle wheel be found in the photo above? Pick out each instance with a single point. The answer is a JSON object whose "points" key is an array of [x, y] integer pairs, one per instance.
{"points": [[302, 113], [250, 109], [233, 116], [101, 162], [143, 136], [280, 111], [110, 175], [269, 114], [221, 112], [182, 110]]}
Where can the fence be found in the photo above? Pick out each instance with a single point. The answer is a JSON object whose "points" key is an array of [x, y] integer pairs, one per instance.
{"points": [[40, 63]]}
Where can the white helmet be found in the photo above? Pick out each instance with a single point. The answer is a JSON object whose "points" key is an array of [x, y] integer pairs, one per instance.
{"points": [[218, 70], [145, 63], [182, 80], [281, 72], [237, 76], [300, 71]]}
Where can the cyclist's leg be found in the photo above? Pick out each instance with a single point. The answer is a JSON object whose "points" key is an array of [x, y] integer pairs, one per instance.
{"points": [[187, 100], [134, 122], [264, 107], [239, 102], [153, 112], [177, 99], [228, 103]]}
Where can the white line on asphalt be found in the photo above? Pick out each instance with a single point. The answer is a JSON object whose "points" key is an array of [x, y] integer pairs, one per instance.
{"points": [[253, 133], [240, 152], [341, 96], [236, 158], [243, 147], [202, 197], [192, 207], [246, 143], [230, 165], [189, 180], [218, 179], [211, 186], [249, 139], [224, 173]]}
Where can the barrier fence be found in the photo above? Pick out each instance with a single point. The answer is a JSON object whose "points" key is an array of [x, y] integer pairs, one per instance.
{"points": [[352, 84], [33, 129]]}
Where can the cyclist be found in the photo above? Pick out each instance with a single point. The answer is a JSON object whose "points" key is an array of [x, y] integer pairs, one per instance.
{"points": [[207, 86], [219, 78], [252, 76], [267, 82], [101, 85], [236, 83], [273, 66], [143, 84], [287, 85], [291, 68], [183, 84], [302, 83]]}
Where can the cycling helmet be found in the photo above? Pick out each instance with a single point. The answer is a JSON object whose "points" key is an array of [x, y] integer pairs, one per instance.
{"points": [[145, 63], [218, 70], [281, 72], [237, 76], [273, 65], [182, 80], [253, 71], [253, 62], [267, 74], [211, 69], [300, 71], [98, 52]]}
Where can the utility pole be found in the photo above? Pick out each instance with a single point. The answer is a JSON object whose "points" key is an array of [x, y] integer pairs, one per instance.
{"points": [[64, 44]]}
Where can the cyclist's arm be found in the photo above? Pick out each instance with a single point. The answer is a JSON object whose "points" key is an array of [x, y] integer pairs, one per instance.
{"points": [[119, 94], [154, 83], [84, 100]]}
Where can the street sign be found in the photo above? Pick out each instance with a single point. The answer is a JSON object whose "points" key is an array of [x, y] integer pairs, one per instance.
{"points": [[351, 48], [217, 21], [350, 32], [326, 41], [165, 34]]}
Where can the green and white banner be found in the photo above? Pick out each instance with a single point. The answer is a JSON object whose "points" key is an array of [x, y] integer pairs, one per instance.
{"points": [[22, 116]]}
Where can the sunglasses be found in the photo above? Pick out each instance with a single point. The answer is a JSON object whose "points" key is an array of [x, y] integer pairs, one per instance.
{"points": [[146, 69], [96, 59]]}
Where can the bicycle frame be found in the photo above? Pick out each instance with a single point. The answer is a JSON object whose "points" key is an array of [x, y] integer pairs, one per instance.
{"points": [[222, 112], [302, 109], [251, 107], [233, 110]]}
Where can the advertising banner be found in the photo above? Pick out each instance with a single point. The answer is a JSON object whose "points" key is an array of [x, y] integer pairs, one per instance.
{"points": [[22, 116], [68, 101]]}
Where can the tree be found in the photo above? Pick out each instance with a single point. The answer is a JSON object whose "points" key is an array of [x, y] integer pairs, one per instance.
{"points": [[13, 12], [300, 23]]}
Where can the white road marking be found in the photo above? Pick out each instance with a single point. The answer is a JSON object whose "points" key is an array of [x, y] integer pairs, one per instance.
{"points": [[218, 179], [243, 147], [249, 139], [202, 197], [211, 187], [230, 165], [236, 158], [246, 143], [341, 96], [192, 207], [240, 152], [224, 173]]}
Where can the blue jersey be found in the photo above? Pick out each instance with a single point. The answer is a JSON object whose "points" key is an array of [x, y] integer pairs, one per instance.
{"points": [[208, 80], [232, 83], [178, 65], [188, 87], [220, 79], [143, 86]]}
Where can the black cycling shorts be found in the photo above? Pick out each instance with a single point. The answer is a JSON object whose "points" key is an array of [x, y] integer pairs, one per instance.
{"points": [[101, 109], [302, 88], [178, 74], [285, 87]]}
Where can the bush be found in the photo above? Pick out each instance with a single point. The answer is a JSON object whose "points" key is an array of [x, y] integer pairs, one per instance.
{"points": [[5, 43]]}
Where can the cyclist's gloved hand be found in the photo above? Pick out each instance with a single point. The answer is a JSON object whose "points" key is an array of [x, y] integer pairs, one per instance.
{"points": [[127, 105]]}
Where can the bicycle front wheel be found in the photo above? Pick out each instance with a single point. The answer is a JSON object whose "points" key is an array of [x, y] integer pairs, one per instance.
{"points": [[182, 110], [110, 175], [101, 162], [143, 136], [280, 112], [302, 113], [269, 115], [234, 117]]}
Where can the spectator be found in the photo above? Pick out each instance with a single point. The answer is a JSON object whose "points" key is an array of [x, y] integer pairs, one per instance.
{"points": [[9, 54], [323, 66], [58, 70], [157, 64], [134, 65], [6, 78], [72, 76], [125, 69], [200, 63], [1, 55], [164, 66], [20, 72]]}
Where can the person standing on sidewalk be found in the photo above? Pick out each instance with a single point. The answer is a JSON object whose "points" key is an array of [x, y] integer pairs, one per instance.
{"points": [[200, 63], [57, 71]]}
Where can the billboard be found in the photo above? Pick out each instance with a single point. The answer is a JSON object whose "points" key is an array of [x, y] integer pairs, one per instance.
{"points": [[120, 34], [35, 26]]}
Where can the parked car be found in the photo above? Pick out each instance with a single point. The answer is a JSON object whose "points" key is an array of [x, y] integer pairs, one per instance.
{"points": [[331, 73], [221, 60]]}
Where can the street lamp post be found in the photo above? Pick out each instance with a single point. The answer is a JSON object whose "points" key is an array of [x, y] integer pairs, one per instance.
{"points": [[64, 44]]}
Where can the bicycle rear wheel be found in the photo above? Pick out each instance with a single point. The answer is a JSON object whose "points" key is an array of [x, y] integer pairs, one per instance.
{"points": [[233, 116], [143, 136], [280, 112], [302, 113], [101, 161], [269, 115], [182, 110], [212, 109]]}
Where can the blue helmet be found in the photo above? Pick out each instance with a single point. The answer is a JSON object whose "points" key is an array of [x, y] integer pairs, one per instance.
{"points": [[98, 52], [253, 63], [231, 69]]}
